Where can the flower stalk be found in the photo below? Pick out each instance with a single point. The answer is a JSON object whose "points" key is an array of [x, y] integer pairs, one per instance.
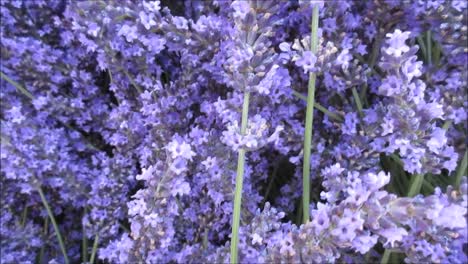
{"points": [[239, 183], [54, 224], [309, 121], [461, 170], [94, 250], [414, 189]]}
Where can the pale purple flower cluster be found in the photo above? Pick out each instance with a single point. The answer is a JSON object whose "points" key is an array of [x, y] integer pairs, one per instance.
{"points": [[126, 115]]}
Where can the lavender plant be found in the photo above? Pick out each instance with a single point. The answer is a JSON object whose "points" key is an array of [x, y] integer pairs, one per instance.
{"points": [[181, 132]]}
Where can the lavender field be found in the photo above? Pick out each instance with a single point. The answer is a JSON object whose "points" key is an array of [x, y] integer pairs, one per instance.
{"points": [[247, 131]]}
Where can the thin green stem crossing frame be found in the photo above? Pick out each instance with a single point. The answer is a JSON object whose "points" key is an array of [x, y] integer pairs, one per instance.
{"points": [[54, 224], [239, 183], [309, 121]]}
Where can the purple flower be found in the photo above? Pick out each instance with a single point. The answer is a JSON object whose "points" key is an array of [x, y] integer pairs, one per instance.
{"points": [[179, 148], [393, 234], [412, 68], [320, 219], [361, 49], [437, 141], [364, 243], [241, 8], [453, 216], [391, 86], [349, 126], [15, 115], [147, 20], [129, 32], [307, 61], [343, 59], [396, 42], [459, 5]]}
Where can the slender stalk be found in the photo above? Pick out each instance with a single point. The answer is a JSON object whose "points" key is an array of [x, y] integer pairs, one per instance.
{"points": [[385, 257], [239, 182], [367, 257], [95, 245], [308, 122], [415, 186], [205, 239], [414, 189], [24, 216], [25, 92], [319, 107], [299, 213], [54, 224], [132, 81], [357, 100], [17, 86], [422, 46], [124, 228], [461, 170], [436, 54], [41, 253], [428, 186], [375, 51], [372, 62], [429, 47], [363, 61], [270, 183], [447, 124], [84, 243]]}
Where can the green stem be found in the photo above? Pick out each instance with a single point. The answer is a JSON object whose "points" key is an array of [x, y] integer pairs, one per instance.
{"points": [[25, 92], [415, 185], [375, 51], [205, 239], [363, 61], [179, 205], [319, 107], [308, 122], [429, 47], [437, 54], [93, 252], [46, 228], [17, 86], [367, 257], [270, 183], [357, 100], [132, 81], [461, 170], [385, 257], [299, 213], [447, 124], [239, 182], [372, 62], [54, 224], [124, 228], [24, 216], [84, 244], [428, 186], [422, 46], [415, 188]]}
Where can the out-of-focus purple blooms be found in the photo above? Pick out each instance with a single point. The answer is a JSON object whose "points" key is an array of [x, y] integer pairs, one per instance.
{"points": [[396, 42], [344, 59], [307, 61], [127, 116], [179, 148], [147, 20], [391, 86], [241, 8], [392, 235], [129, 32]]}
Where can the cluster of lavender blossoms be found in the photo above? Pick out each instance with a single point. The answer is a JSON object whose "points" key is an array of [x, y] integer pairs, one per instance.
{"points": [[122, 122]]}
